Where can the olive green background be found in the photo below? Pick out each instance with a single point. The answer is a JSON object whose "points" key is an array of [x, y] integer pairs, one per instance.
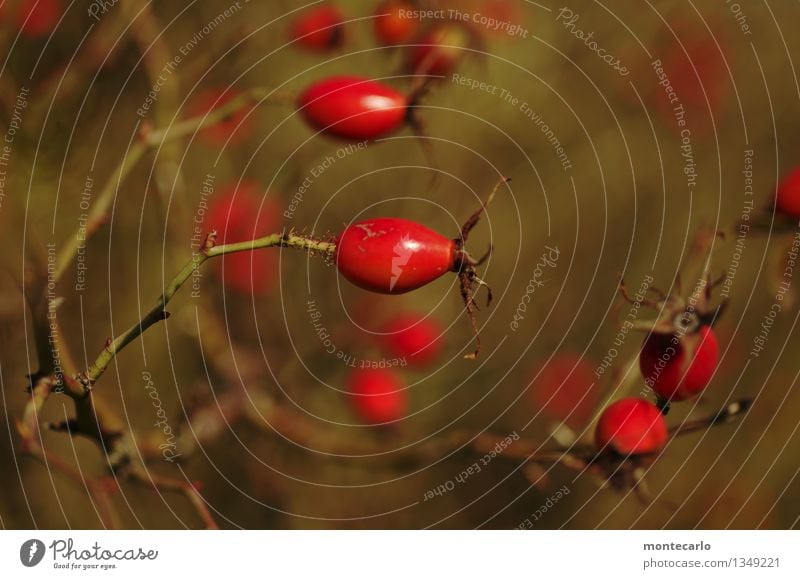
{"points": [[622, 208]]}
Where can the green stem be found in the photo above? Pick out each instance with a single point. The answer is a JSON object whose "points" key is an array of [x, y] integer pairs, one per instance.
{"points": [[148, 140], [157, 313], [99, 211], [219, 114]]}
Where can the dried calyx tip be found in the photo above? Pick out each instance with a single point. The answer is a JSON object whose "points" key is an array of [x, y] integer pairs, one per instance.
{"points": [[466, 264]]}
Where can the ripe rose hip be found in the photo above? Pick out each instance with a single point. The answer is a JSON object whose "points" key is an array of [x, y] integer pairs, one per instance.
{"points": [[236, 213], [439, 51], [678, 368], [392, 256], [319, 29], [233, 129], [631, 426], [354, 108], [565, 389], [377, 396], [414, 337], [36, 19], [392, 26], [787, 195]]}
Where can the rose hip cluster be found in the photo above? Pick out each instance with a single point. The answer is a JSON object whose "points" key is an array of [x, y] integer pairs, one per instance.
{"points": [[387, 255], [357, 108], [678, 359]]}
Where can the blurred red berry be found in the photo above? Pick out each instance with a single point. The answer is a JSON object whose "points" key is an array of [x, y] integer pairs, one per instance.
{"points": [[787, 195], [233, 129], [319, 29], [36, 18], [392, 25], [697, 72], [678, 368], [631, 426], [564, 389], [377, 396], [236, 213], [414, 337]]}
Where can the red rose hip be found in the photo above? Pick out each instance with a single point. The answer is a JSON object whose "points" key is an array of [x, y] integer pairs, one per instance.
{"points": [[353, 108], [390, 255], [565, 390], [679, 368], [377, 396], [631, 426], [393, 256]]}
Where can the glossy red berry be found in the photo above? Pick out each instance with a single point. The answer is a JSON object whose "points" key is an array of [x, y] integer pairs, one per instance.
{"points": [[319, 29], [390, 255], [392, 23], [352, 107], [564, 389], [377, 396], [414, 337], [631, 426], [233, 129], [36, 18], [393, 256], [439, 50], [787, 195], [679, 368], [237, 214]]}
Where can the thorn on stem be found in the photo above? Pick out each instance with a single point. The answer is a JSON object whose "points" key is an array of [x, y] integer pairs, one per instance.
{"points": [[210, 242]]}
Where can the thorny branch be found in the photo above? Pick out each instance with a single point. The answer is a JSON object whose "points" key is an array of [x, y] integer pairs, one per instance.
{"points": [[93, 419]]}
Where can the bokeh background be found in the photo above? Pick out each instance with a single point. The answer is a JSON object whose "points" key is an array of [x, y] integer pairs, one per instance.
{"points": [[250, 390]]}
